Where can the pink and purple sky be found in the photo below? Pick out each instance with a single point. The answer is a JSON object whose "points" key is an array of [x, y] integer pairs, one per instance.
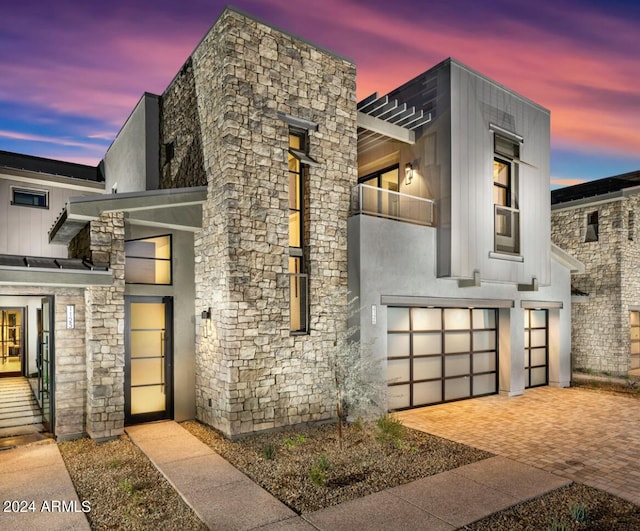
{"points": [[72, 70]]}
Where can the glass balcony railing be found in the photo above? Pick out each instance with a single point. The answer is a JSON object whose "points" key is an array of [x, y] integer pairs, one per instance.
{"points": [[379, 202], [507, 229]]}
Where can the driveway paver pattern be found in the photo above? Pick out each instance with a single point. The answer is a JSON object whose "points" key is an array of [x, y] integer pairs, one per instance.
{"points": [[588, 436]]}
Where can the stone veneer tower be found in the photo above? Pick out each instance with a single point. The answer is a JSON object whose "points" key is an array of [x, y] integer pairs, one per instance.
{"points": [[249, 83]]}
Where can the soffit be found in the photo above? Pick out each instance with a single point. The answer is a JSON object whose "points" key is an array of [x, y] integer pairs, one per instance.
{"points": [[178, 208]]}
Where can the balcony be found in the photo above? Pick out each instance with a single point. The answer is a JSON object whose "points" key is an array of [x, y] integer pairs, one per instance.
{"points": [[382, 203], [507, 229]]}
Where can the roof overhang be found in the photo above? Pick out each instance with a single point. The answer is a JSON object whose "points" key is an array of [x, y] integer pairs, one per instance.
{"points": [[177, 208], [25, 276], [443, 302], [564, 258], [47, 271]]}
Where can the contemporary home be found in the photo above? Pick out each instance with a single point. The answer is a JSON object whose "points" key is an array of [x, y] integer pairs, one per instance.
{"points": [[203, 269], [596, 222]]}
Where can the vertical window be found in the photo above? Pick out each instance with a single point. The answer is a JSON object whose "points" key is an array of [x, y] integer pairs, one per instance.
{"points": [[635, 340], [592, 227], [298, 287], [505, 196], [631, 226], [148, 261]]}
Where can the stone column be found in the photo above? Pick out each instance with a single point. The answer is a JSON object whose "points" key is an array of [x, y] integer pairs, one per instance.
{"points": [[105, 331]]}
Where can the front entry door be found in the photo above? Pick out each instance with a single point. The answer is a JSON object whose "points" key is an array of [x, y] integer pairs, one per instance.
{"points": [[11, 341], [149, 359]]}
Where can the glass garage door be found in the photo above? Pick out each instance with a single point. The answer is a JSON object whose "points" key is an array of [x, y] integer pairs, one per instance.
{"points": [[438, 355], [536, 351]]}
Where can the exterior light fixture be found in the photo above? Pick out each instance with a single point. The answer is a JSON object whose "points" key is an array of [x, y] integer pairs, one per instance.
{"points": [[408, 173], [206, 319]]}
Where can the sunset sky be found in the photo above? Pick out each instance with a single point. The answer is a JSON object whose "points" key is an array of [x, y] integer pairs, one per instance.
{"points": [[72, 70]]}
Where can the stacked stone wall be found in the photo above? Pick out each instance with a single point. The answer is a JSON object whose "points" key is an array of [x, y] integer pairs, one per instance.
{"points": [[179, 126], [105, 332], [600, 325], [252, 373]]}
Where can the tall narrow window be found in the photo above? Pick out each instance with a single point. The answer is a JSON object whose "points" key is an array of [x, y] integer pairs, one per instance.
{"points": [[505, 195], [635, 339], [631, 226], [298, 300], [592, 227]]}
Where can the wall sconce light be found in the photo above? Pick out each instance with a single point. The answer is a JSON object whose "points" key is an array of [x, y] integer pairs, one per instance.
{"points": [[206, 319], [408, 173]]}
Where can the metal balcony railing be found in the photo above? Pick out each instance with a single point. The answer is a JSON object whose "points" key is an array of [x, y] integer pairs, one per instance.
{"points": [[379, 202]]}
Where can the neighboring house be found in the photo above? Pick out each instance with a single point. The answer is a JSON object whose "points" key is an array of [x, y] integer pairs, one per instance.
{"points": [[596, 222], [240, 207]]}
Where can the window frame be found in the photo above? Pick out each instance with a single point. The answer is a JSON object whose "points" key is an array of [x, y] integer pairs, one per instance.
{"points": [[35, 192], [508, 158], [170, 260], [592, 235], [298, 279]]}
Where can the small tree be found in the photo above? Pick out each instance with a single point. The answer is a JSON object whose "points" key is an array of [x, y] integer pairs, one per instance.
{"points": [[359, 382]]}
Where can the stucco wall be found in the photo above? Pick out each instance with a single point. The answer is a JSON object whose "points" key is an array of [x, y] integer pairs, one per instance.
{"points": [[131, 162], [393, 258]]}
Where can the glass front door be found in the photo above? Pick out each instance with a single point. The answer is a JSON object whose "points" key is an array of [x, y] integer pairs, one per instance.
{"points": [[148, 368], [536, 348], [11, 341]]}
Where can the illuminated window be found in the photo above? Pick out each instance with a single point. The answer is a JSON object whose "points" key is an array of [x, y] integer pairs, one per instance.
{"points": [[148, 261], [29, 197], [505, 196], [635, 339], [298, 300]]}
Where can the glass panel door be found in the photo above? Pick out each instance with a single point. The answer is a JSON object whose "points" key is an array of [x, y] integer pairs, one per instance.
{"points": [[11, 341], [536, 351], [44, 363], [149, 359]]}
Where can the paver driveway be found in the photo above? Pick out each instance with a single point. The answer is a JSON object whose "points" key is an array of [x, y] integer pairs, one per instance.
{"points": [[588, 436]]}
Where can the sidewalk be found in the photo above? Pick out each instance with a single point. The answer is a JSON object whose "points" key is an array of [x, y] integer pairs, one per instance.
{"points": [[35, 479], [225, 499]]}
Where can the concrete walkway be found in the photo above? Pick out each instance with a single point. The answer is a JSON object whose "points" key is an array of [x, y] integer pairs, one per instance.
{"points": [[590, 437], [36, 479], [225, 499]]}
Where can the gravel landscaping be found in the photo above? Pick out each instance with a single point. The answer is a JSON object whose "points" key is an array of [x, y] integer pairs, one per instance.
{"points": [[575, 507], [308, 469], [124, 488]]}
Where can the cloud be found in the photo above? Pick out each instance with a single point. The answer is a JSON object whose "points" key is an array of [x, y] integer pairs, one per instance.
{"points": [[578, 60], [14, 135], [566, 182]]}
